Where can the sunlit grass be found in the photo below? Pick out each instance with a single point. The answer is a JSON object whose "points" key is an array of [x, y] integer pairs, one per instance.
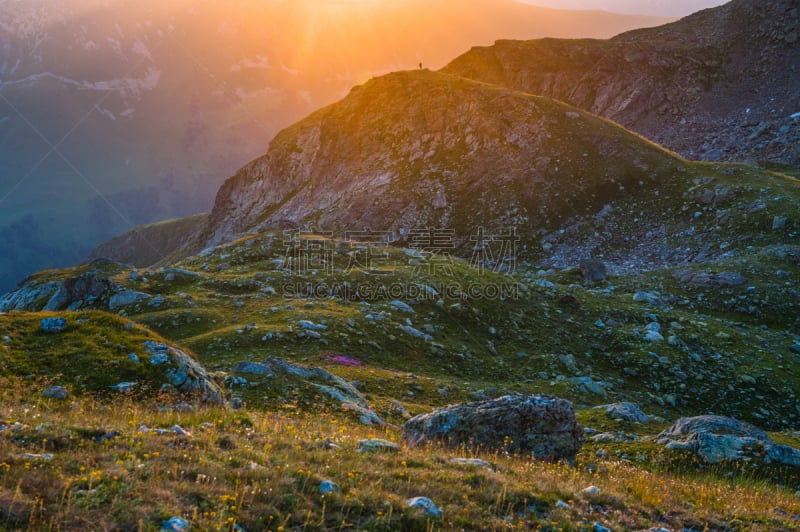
{"points": [[262, 470]]}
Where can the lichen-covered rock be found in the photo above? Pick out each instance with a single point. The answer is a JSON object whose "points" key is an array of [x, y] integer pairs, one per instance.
{"points": [[719, 438], [70, 293], [625, 411], [542, 425], [186, 374]]}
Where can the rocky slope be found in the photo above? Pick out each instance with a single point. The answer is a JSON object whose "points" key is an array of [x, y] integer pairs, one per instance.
{"points": [[414, 150], [718, 85]]}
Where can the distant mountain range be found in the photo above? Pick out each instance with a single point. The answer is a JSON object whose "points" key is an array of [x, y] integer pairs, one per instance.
{"points": [[151, 105]]}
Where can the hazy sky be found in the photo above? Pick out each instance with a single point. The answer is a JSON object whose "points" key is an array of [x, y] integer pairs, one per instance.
{"points": [[670, 8]]}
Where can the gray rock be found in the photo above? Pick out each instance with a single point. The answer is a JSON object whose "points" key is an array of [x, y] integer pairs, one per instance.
{"points": [[687, 426], [544, 426], [718, 438], [311, 326], [184, 372], [133, 357], [328, 486], [411, 331], [429, 509], [124, 387], [31, 456], [377, 446], [330, 385], [653, 336], [783, 454], [625, 411], [779, 222], [650, 298], [403, 307], [365, 414], [125, 298], [398, 408], [56, 392], [54, 325], [591, 491], [476, 462], [710, 280], [176, 524], [235, 403], [593, 271], [254, 368]]}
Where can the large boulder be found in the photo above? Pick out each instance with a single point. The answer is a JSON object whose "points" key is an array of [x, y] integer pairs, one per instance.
{"points": [[542, 425], [70, 293], [719, 438]]}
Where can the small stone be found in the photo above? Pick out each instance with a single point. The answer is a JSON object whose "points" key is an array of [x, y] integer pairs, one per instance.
{"points": [[176, 524], [477, 462], [180, 431], [56, 392], [625, 411], [652, 336], [779, 222], [429, 509], [604, 437], [597, 527], [124, 387], [54, 325], [235, 403], [377, 445], [30, 456], [6, 340], [311, 326], [562, 504], [328, 486], [650, 298], [591, 491], [133, 357], [403, 307]]}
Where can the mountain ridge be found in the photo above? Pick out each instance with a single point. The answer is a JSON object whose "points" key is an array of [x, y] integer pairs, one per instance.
{"points": [[716, 85]]}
